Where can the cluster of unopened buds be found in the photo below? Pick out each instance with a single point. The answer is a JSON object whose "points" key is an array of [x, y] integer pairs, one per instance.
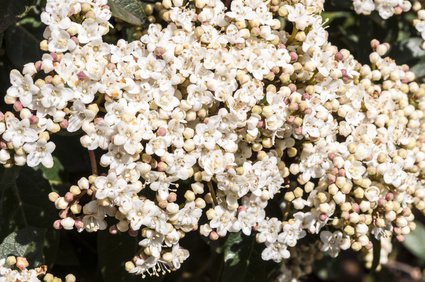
{"points": [[14, 269], [215, 118]]}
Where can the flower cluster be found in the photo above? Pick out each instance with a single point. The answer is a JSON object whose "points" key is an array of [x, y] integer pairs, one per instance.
{"points": [[385, 8], [214, 118]]}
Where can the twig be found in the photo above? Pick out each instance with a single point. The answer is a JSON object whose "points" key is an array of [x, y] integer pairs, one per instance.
{"points": [[227, 4], [93, 162], [212, 192]]}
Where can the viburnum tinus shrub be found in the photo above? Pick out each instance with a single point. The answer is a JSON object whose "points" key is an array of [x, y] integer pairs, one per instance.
{"points": [[219, 115]]}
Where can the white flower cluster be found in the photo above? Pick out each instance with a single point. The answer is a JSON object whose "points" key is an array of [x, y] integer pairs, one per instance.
{"points": [[220, 113], [385, 8]]}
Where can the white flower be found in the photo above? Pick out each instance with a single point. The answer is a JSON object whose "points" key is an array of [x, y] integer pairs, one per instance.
{"points": [[40, 152], [334, 242], [19, 132]]}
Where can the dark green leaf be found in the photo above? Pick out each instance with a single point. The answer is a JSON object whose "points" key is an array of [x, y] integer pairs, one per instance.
{"points": [[27, 242], [24, 202], [113, 252], [130, 11], [9, 10], [242, 260], [415, 241], [22, 46]]}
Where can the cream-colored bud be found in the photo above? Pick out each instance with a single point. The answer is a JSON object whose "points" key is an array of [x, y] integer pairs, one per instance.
{"points": [[211, 214], [189, 196]]}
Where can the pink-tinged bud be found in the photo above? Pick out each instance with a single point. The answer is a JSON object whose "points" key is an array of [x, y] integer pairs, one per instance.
{"points": [[339, 56], [294, 56], [405, 80], [161, 131], [63, 213], [162, 166], [293, 87], [206, 121], [54, 56], [3, 145], [57, 224], [374, 44], [331, 156], [64, 124], [308, 111], [331, 178], [21, 263], [335, 170], [241, 208], [298, 130], [281, 46], [75, 39], [213, 236], [287, 101], [369, 245], [113, 230], [344, 72], [389, 196], [306, 96], [355, 207], [133, 233], [323, 216], [98, 120], [382, 202], [17, 106], [294, 106], [69, 197], [341, 172], [38, 65], [159, 51], [81, 75], [48, 79], [34, 119], [260, 124], [111, 66], [1, 116], [400, 238], [79, 224], [172, 197]]}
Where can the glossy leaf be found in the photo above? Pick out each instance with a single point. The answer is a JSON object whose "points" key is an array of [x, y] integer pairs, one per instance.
{"points": [[27, 242], [415, 241], [129, 11]]}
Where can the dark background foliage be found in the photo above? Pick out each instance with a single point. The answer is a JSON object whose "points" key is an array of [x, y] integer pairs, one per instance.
{"points": [[26, 215]]}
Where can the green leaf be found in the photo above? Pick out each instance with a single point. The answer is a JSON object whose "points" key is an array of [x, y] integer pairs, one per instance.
{"points": [[27, 242], [415, 241], [53, 175], [24, 203], [129, 11], [242, 260], [22, 46], [9, 11]]}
